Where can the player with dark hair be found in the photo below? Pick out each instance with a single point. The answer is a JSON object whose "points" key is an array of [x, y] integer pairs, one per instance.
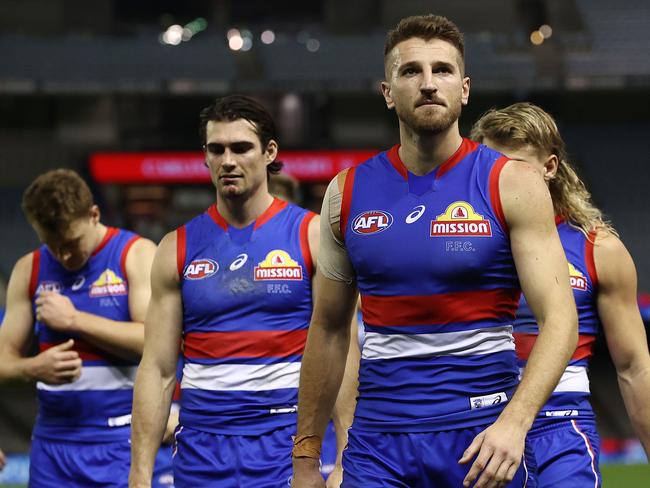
{"points": [[438, 234], [603, 279], [235, 286]]}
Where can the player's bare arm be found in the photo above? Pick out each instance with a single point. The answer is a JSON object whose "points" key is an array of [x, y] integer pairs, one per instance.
{"points": [[542, 270], [624, 330], [156, 376], [325, 356], [124, 339], [56, 365], [346, 401]]}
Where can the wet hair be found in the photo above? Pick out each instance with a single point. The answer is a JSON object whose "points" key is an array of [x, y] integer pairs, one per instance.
{"points": [[236, 107], [427, 27], [523, 124], [56, 199]]}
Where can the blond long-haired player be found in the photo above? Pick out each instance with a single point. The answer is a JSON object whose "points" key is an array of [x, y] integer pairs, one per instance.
{"points": [[603, 279]]}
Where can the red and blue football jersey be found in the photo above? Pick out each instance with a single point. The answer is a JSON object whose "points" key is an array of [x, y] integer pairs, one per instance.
{"points": [[97, 406], [246, 310], [439, 291]]}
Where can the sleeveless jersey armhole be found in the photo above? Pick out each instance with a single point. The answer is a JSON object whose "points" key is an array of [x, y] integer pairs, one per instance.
{"points": [[589, 258], [304, 243], [495, 195], [33, 279], [180, 250], [125, 252]]}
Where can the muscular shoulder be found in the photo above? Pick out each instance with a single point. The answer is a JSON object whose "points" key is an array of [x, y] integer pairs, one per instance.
{"points": [[614, 264], [166, 264], [24, 265], [523, 193], [139, 258], [142, 248]]}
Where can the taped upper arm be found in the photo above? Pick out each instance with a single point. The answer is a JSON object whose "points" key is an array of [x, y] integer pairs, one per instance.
{"points": [[333, 261]]}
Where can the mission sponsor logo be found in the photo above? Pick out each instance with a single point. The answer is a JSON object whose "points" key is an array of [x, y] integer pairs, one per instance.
{"points": [[577, 279], [200, 268], [108, 284], [278, 265], [460, 219], [371, 222]]}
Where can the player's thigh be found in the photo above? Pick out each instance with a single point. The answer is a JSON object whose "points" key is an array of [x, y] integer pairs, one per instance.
{"points": [[440, 452], [567, 456], [378, 460], [227, 461], [69, 464]]}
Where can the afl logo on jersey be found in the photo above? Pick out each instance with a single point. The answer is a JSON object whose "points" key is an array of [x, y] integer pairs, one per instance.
{"points": [[371, 222], [200, 268], [460, 219]]}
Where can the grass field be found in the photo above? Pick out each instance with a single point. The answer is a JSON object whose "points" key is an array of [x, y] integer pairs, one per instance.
{"points": [[626, 476], [614, 476]]}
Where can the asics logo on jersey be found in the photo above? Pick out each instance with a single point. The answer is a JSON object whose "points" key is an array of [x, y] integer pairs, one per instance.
{"points": [[239, 262], [415, 215], [78, 283], [487, 400], [200, 268], [371, 222]]}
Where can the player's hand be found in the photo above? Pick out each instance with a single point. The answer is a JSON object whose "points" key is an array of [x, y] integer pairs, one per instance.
{"points": [[3, 460], [56, 311], [306, 474], [57, 365], [498, 451], [335, 478]]}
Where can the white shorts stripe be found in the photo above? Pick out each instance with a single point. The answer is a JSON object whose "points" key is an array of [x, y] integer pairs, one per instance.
{"points": [[461, 343], [97, 378], [592, 455], [246, 377]]}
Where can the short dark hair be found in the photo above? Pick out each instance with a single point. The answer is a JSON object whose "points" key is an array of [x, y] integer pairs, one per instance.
{"points": [[236, 107], [56, 199], [427, 27]]}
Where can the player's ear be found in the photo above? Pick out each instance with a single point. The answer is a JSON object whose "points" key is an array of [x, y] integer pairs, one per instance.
{"points": [[95, 214], [551, 165], [386, 92], [271, 151]]}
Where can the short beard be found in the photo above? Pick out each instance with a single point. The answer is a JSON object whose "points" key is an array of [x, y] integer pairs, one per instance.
{"points": [[436, 124]]}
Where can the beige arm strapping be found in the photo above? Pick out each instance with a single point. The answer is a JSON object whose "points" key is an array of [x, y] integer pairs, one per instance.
{"points": [[333, 260]]}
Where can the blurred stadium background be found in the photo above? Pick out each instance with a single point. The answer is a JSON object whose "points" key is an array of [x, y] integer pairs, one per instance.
{"points": [[112, 88]]}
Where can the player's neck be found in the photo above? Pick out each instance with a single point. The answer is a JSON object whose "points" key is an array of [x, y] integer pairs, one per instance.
{"points": [[240, 212], [422, 153], [100, 231]]}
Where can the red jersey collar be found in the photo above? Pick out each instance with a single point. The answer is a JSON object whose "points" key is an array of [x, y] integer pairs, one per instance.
{"points": [[276, 206], [466, 146], [110, 233]]}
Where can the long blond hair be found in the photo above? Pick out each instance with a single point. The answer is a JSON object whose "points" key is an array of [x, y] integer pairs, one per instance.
{"points": [[523, 124]]}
